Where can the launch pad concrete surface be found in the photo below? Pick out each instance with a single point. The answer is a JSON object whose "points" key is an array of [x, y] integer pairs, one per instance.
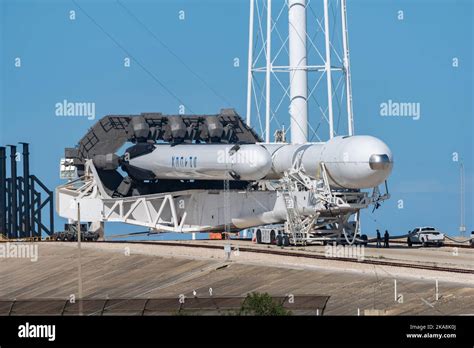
{"points": [[447, 256], [161, 271]]}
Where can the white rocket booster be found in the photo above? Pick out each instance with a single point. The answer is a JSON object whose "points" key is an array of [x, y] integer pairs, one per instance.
{"points": [[354, 162]]}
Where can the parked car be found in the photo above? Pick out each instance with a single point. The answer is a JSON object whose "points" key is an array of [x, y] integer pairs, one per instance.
{"points": [[425, 236]]}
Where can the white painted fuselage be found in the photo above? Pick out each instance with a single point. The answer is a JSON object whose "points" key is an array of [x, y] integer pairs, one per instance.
{"points": [[354, 162]]}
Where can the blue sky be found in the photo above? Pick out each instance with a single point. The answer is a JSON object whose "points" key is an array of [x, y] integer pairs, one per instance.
{"points": [[406, 61]]}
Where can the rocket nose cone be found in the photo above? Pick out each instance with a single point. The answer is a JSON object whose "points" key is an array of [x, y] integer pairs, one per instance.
{"points": [[357, 162], [380, 162], [379, 159]]}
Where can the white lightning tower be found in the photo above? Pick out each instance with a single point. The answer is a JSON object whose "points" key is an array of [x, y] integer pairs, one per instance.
{"points": [[347, 68], [285, 59], [298, 71]]}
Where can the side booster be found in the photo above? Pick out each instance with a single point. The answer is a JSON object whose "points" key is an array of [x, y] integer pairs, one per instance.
{"points": [[352, 162]]}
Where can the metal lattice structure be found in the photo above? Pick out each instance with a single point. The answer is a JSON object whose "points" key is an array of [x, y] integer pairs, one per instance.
{"points": [[26, 203], [285, 56]]}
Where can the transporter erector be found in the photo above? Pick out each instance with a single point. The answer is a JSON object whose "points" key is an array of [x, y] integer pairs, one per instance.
{"points": [[203, 173], [213, 172]]}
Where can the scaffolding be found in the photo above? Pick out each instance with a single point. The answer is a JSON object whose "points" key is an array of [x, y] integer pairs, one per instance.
{"points": [[26, 203]]}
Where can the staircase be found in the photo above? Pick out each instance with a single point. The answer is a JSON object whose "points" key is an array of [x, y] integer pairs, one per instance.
{"points": [[294, 223]]}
